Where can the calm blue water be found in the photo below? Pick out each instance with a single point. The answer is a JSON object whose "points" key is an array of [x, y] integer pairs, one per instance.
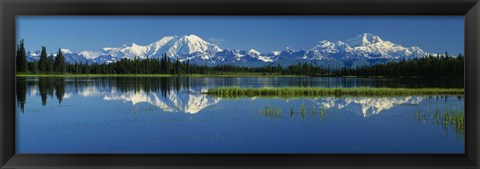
{"points": [[171, 115]]}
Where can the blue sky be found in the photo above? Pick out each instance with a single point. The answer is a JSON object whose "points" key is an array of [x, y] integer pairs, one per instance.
{"points": [[263, 33]]}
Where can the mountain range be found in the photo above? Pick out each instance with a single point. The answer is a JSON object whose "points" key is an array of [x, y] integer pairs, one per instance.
{"points": [[363, 49]]}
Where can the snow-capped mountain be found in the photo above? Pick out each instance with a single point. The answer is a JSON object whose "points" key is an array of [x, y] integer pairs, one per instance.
{"points": [[181, 47], [371, 46], [363, 49]]}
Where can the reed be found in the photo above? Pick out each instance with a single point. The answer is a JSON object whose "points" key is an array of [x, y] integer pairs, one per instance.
{"points": [[303, 110], [322, 113], [447, 119], [271, 111], [454, 118]]}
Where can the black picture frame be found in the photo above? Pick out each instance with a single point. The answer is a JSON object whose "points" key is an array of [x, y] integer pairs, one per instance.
{"points": [[11, 8]]}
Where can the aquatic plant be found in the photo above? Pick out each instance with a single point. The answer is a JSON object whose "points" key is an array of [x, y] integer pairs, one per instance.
{"points": [[312, 111], [450, 118], [302, 110], [322, 113], [271, 111], [291, 112], [454, 118]]}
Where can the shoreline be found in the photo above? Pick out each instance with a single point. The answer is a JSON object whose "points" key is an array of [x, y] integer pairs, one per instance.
{"points": [[218, 75], [158, 75], [337, 92]]}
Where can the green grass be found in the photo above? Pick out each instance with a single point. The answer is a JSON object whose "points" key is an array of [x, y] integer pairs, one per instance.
{"points": [[322, 113], [454, 118], [232, 92], [302, 112], [158, 75], [271, 111]]}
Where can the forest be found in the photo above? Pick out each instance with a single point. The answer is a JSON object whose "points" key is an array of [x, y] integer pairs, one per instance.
{"points": [[442, 66]]}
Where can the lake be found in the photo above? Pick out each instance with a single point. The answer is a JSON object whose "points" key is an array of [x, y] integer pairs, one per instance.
{"points": [[172, 115]]}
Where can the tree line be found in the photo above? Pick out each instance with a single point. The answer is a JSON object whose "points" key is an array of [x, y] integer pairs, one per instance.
{"points": [[445, 65], [429, 66], [46, 64]]}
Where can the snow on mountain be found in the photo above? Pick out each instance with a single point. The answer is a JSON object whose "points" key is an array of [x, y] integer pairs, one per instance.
{"points": [[326, 49], [191, 44], [181, 47], [253, 51], [363, 49], [364, 39], [69, 56], [66, 51], [90, 54], [367, 46], [275, 53], [370, 46], [33, 55]]}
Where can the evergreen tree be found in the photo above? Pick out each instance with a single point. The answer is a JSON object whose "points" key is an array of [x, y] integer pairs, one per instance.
{"points": [[59, 62], [169, 65], [49, 64], [21, 58], [188, 66], [42, 63], [177, 66], [164, 63], [32, 67]]}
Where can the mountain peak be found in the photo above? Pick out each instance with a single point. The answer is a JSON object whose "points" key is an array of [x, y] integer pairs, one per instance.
{"points": [[325, 43], [189, 44], [166, 38], [185, 38], [253, 51], [288, 49], [192, 36], [68, 51], [363, 40]]}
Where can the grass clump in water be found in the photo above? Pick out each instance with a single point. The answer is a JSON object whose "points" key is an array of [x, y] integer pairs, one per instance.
{"points": [[450, 118], [271, 111], [322, 113], [454, 118]]}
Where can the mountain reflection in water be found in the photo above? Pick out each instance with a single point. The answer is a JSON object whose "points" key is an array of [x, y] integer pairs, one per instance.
{"points": [[142, 107], [179, 94]]}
